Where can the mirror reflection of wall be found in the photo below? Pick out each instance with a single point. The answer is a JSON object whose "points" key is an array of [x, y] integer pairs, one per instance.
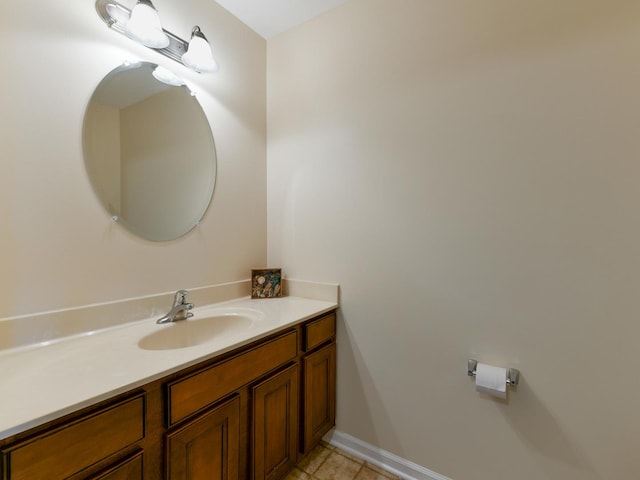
{"points": [[149, 153], [102, 145]]}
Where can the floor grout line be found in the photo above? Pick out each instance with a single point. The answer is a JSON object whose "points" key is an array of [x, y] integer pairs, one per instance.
{"points": [[349, 467]]}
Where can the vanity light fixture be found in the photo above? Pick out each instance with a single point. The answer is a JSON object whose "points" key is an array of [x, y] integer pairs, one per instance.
{"points": [[142, 24]]}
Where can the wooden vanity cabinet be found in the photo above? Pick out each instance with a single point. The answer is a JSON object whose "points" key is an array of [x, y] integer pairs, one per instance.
{"points": [[249, 414]]}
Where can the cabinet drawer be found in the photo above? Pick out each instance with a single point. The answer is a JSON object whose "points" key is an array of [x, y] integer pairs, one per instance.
{"points": [[319, 331], [77, 445], [189, 395]]}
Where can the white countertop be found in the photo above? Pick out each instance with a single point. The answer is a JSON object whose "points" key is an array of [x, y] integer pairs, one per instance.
{"points": [[43, 382]]}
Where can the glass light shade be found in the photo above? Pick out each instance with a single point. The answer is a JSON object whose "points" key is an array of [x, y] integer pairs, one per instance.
{"points": [[144, 26], [166, 76], [198, 56]]}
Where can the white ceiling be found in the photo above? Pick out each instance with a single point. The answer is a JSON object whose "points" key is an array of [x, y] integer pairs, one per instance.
{"points": [[271, 17]]}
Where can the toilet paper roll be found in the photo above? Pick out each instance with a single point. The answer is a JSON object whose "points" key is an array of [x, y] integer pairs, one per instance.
{"points": [[491, 380]]}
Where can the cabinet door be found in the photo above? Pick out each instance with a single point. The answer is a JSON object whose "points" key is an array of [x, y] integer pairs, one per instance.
{"points": [[275, 425], [319, 399], [206, 448]]}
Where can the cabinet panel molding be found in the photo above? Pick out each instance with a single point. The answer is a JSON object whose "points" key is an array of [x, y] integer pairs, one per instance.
{"points": [[129, 469]]}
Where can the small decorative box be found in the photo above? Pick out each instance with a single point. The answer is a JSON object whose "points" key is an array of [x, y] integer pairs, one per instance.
{"points": [[266, 283]]}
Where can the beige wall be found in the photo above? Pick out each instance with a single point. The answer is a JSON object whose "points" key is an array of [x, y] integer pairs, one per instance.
{"points": [[468, 172], [58, 246]]}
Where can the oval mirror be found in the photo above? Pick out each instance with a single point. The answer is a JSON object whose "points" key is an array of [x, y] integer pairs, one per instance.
{"points": [[149, 151]]}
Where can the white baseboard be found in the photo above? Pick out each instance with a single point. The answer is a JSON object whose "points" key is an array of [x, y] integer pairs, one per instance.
{"points": [[380, 458]]}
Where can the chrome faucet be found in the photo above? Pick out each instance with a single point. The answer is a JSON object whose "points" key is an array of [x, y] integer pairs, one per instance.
{"points": [[179, 310]]}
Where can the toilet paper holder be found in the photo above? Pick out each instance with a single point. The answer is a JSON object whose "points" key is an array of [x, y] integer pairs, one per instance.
{"points": [[513, 374]]}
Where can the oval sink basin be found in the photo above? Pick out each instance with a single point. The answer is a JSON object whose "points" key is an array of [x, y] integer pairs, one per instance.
{"points": [[199, 329]]}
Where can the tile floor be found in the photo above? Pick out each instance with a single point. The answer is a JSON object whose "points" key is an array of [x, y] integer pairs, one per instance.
{"points": [[328, 463]]}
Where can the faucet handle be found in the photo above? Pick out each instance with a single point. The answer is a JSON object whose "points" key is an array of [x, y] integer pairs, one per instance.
{"points": [[180, 297]]}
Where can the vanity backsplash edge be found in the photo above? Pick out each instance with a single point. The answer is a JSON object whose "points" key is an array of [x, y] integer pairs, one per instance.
{"points": [[34, 329]]}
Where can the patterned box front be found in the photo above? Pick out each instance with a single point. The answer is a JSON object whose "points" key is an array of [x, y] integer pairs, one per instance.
{"points": [[266, 283]]}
